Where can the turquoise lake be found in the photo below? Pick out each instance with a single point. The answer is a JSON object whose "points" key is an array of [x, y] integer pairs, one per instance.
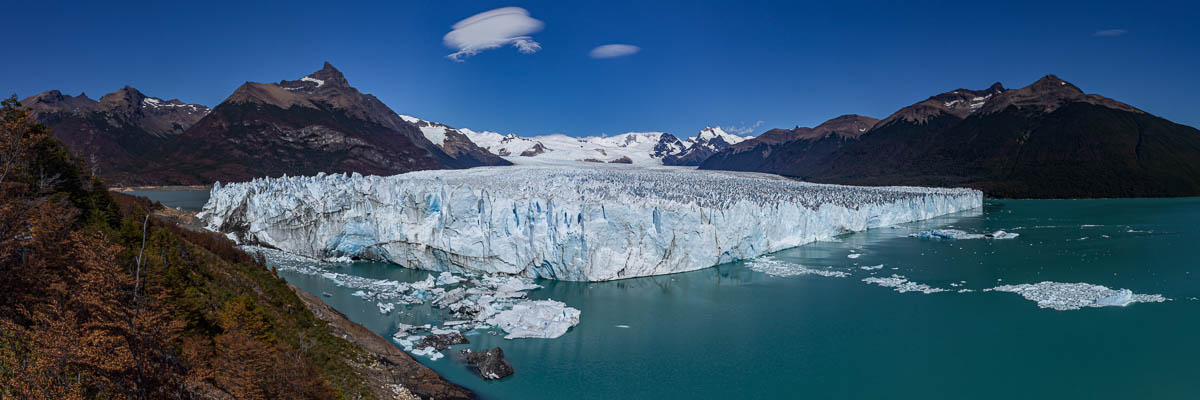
{"points": [[731, 332]]}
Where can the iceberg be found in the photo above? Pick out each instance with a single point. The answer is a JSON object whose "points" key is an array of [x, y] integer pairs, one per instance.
{"points": [[901, 284], [1074, 296], [537, 319], [577, 223]]}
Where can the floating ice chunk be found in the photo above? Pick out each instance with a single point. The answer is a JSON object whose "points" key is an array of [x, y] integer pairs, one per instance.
{"points": [[537, 319], [774, 267], [871, 268], [426, 284], [446, 278], [385, 308], [403, 328], [622, 326], [1073, 296], [956, 234], [854, 255], [433, 353], [1001, 235], [901, 284]]}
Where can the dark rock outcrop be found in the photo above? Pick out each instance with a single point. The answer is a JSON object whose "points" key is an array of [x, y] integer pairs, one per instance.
{"points": [[490, 363], [443, 341], [622, 160]]}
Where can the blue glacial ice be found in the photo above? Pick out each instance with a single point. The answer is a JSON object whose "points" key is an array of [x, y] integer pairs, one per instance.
{"points": [[591, 223]]}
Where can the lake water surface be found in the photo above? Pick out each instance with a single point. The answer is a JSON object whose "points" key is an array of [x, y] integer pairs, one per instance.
{"points": [[732, 332]]}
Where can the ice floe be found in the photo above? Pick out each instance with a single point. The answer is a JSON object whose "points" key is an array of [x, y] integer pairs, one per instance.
{"points": [[956, 234], [775, 267], [474, 302], [537, 319], [901, 284], [1073, 296], [871, 267]]}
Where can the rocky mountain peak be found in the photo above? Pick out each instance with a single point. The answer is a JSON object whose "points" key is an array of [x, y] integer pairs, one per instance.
{"points": [[55, 101], [1048, 94], [847, 126], [326, 80], [959, 103], [125, 99], [330, 75]]}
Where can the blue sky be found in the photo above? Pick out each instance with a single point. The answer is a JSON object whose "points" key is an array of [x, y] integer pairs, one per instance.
{"points": [[731, 64]]}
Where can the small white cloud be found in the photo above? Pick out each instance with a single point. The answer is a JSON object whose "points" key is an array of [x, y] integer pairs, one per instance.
{"points": [[614, 50], [491, 30], [1110, 33], [742, 130]]}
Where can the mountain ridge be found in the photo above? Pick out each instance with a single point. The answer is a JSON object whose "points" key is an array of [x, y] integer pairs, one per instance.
{"points": [[1045, 140]]}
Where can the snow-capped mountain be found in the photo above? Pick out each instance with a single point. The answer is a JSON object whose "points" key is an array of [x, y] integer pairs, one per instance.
{"points": [[453, 142], [643, 148], [710, 141]]}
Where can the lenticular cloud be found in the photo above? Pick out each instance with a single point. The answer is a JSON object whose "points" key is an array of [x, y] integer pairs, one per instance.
{"points": [[614, 50], [491, 30]]}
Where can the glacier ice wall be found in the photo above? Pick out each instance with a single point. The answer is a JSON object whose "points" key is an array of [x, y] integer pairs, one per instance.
{"points": [[590, 223]]}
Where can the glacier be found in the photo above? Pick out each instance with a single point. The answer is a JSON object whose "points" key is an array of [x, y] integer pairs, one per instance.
{"points": [[564, 222]]}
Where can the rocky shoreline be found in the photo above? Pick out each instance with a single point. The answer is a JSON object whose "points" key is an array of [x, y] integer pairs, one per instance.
{"points": [[390, 372]]}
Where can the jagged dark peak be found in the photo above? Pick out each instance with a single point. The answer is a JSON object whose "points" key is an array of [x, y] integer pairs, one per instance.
{"points": [[130, 101], [56, 101], [329, 74], [1048, 94], [667, 145], [325, 79]]}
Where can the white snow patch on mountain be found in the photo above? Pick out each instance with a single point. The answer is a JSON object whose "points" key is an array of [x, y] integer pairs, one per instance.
{"points": [[313, 80], [582, 223], [435, 134]]}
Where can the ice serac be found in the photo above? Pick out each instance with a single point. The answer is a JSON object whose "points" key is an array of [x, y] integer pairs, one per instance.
{"points": [[585, 223]]}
